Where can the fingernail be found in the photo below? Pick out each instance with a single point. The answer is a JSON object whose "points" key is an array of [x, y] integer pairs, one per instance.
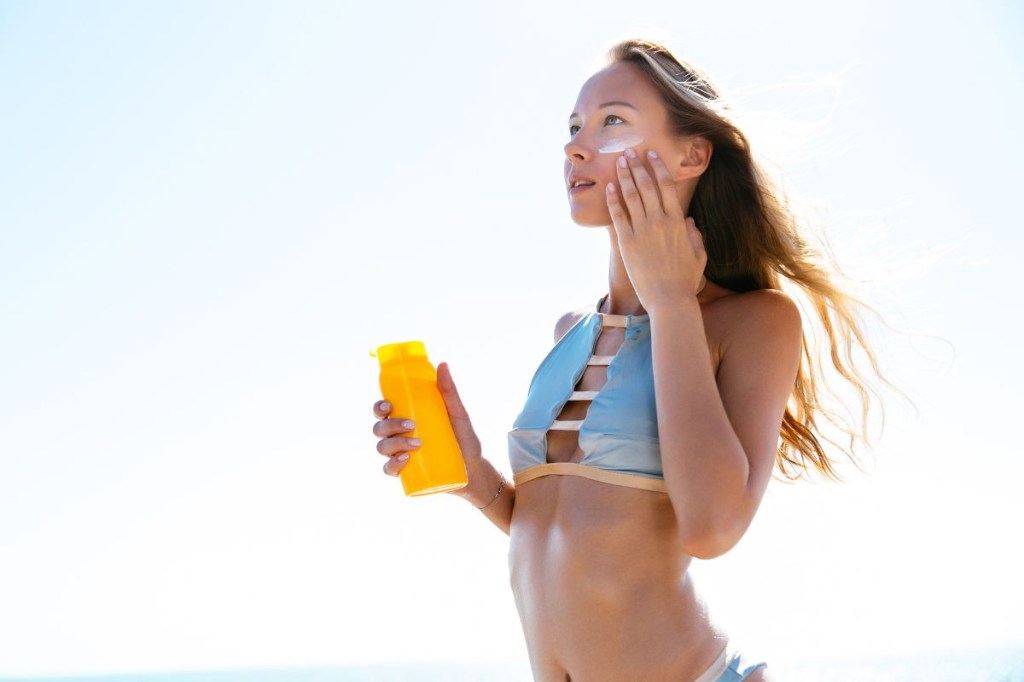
{"points": [[622, 162], [630, 152], [386, 406], [652, 154], [403, 457], [409, 424], [414, 442], [610, 188]]}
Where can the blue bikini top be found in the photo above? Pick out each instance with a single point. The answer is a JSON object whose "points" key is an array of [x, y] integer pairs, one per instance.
{"points": [[619, 435]]}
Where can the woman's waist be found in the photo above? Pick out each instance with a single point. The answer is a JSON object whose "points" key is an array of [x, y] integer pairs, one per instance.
{"points": [[617, 581], [621, 606], [606, 535]]}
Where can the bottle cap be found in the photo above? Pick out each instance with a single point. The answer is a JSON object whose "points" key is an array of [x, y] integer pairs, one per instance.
{"points": [[399, 352]]}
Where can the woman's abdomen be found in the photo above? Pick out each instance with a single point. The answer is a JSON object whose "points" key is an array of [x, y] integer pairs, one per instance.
{"points": [[600, 581]]}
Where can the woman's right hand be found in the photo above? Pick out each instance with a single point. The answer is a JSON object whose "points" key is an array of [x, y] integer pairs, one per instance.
{"points": [[392, 443], [395, 445]]}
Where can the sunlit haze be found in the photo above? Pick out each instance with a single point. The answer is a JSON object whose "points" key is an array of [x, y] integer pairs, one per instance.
{"points": [[210, 213]]}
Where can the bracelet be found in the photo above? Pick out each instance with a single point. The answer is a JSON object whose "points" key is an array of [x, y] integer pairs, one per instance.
{"points": [[501, 486]]}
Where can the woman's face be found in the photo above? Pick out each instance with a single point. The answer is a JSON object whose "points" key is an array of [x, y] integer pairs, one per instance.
{"points": [[616, 108]]}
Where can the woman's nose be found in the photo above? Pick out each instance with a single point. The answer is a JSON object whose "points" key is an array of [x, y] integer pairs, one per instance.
{"points": [[577, 150]]}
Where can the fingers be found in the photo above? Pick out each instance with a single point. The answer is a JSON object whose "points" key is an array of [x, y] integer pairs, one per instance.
{"points": [[629, 190], [386, 428], [396, 449], [445, 384], [461, 424], [392, 443], [617, 210], [645, 195], [697, 242], [696, 238], [396, 445], [666, 186], [394, 465], [645, 185], [381, 409]]}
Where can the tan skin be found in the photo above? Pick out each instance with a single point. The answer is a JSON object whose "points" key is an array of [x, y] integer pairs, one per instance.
{"points": [[599, 571]]}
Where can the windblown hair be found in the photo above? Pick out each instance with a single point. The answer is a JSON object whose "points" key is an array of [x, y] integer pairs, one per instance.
{"points": [[754, 241]]}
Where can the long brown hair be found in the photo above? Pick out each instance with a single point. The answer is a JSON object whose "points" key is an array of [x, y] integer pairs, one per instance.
{"points": [[754, 241]]}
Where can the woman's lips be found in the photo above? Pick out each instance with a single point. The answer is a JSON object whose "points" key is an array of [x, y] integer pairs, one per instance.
{"points": [[580, 186]]}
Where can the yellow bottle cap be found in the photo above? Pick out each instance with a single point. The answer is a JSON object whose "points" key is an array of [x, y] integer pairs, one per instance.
{"points": [[398, 352]]}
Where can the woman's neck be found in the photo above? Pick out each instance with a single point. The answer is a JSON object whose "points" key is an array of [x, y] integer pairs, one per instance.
{"points": [[622, 298]]}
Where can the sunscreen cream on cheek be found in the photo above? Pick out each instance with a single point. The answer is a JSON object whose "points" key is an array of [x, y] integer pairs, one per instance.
{"points": [[619, 144]]}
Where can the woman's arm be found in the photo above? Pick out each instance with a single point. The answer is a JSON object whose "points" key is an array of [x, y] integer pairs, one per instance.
{"points": [[487, 489], [719, 434], [718, 428]]}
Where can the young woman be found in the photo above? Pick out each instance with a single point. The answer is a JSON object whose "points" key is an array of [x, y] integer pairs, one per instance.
{"points": [[651, 429]]}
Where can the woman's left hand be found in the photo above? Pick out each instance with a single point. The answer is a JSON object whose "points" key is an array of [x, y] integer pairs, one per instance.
{"points": [[662, 249]]}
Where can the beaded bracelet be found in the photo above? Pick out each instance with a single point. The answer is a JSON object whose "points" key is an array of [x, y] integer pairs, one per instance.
{"points": [[501, 486]]}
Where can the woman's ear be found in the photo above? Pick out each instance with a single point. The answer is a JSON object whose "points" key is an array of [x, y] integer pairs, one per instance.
{"points": [[695, 155]]}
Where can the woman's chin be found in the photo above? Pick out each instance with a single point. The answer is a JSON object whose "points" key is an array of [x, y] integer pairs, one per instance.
{"points": [[591, 219]]}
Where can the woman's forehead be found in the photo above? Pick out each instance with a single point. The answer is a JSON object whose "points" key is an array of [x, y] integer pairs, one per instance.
{"points": [[621, 82]]}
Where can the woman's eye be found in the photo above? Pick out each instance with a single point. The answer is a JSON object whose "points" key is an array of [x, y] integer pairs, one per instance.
{"points": [[609, 120]]}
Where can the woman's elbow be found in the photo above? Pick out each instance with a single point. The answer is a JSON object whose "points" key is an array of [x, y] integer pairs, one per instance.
{"points": [[710, 540]]}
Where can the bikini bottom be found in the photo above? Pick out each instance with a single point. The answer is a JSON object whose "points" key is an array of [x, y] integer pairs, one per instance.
{"points": [[730, 666]]}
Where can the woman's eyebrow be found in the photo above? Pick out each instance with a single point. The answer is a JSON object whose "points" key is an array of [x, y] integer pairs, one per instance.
{"points": [[613, 103]]}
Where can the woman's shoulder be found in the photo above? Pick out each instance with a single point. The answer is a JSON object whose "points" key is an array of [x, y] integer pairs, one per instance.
{"points": [[754, 314], [760, 301], [567, 321]]}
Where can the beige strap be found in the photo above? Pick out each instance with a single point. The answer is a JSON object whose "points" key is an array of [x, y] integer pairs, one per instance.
{"points": [[593, 473], [600, 360], [566, 425], [582, 395], [609, 320]]}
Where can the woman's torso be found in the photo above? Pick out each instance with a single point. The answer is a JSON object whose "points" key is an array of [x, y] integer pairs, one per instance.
{"points": [[600, 581]]}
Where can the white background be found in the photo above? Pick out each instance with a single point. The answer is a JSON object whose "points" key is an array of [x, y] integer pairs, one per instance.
{"points": [[210, 214]]}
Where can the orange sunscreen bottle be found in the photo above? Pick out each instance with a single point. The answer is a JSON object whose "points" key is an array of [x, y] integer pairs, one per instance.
{"points": [[409, 382]]}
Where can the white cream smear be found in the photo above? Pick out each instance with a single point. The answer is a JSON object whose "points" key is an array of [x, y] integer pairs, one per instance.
{"points": [[620, 144]]}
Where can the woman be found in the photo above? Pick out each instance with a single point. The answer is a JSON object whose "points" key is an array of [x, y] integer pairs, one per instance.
{"points": [[651, 430]]}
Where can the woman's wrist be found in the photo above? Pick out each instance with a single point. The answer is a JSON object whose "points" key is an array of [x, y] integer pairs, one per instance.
{"points": [[682, 305], [485, 487], [670, 298], [497, 493]]}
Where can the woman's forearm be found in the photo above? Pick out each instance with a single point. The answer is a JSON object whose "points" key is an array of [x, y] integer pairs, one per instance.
{"points": [[705, 466]]}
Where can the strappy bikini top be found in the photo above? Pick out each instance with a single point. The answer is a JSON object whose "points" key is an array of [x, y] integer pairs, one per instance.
{"points": [[619, 435]]}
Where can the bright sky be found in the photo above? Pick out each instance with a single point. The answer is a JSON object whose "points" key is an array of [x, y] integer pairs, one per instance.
{"points": [[209, 213]]}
